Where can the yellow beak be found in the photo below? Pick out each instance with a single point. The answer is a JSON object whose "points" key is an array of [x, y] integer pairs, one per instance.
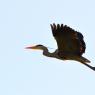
{"points": [[32, 47]]}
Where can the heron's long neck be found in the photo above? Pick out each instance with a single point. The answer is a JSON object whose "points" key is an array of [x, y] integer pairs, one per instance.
{"points": [[46, 52]]}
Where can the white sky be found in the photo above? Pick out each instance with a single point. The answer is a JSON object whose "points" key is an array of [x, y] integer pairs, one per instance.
{"points": [[28, 72]]}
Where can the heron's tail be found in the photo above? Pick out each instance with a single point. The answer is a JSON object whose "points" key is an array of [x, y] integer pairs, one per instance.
{"points": [[85, 59], [85, 63]]}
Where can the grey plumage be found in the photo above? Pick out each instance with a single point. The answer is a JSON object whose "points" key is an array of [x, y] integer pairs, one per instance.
{"points": [[70, 44]]}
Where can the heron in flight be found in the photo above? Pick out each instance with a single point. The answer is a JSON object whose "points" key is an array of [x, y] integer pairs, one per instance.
{"points": [[70, 44]]}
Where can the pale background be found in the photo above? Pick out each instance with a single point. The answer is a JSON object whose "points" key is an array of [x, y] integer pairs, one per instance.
{"points": [[28, 72]]}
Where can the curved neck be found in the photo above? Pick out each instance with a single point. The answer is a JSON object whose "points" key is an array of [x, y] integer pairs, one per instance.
{"points": [[46, 52]]}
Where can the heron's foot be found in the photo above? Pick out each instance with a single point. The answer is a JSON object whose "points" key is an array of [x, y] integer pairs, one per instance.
{"points": [[93, 68]]}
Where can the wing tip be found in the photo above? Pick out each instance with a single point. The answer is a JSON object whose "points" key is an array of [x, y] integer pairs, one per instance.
{"points": [[56, 26]]}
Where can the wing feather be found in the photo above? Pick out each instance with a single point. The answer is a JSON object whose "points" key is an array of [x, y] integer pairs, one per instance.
{"points": [[68, 40]]}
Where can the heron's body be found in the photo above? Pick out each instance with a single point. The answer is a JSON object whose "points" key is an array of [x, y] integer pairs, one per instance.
{"points": [[70, 43], [66, 57]]}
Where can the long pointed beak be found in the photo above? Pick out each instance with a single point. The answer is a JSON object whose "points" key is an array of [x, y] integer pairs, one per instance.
{"points": [[31, 47]]}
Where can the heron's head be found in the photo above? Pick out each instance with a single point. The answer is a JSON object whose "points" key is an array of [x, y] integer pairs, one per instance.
{"points": [[38, 47]]}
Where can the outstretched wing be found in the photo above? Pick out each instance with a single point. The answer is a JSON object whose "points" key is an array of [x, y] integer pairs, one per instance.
{"points": [[68, 40]]}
